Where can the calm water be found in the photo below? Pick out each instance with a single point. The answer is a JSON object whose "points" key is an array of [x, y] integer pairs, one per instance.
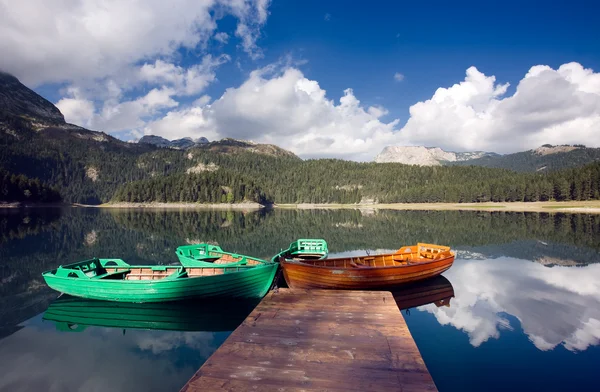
{"points": [[525, 313]]}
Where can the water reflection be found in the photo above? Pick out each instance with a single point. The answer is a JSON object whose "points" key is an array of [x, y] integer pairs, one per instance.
{"points": [[514, 295], [76, 314], [101, 359], [437, 291], [554, 306]]}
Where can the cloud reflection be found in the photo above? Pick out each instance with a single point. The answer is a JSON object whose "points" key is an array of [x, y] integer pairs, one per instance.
{"points": [[555, 306], [102, 359]]}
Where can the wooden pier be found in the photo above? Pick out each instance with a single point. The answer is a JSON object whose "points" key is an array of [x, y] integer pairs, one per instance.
{"points": [[318, 340]]}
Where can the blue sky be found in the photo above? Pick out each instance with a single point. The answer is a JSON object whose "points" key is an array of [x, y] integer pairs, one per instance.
{"points": [[276, 71]]}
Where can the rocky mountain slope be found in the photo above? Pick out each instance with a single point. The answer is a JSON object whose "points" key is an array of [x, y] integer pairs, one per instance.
{"points": [[18, 100], [426, 156]]}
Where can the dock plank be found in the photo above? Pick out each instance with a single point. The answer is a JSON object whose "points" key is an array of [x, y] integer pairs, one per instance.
{"points": [[318, 340]]}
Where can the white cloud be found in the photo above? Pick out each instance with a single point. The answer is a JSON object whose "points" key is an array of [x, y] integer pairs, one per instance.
{"points": [[114, 115], [555, 306], [222, 37], [252, 16], [186, 81], [78, 40], [327, 17], [285, 108], [398, 77], [278, 104], [549, 106]]}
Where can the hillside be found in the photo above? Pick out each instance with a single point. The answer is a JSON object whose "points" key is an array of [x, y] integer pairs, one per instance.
{"points": [[544, 158], [88, 166]]}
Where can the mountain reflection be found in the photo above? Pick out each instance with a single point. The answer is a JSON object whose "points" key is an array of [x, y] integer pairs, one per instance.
{"points": [[555, 306]]}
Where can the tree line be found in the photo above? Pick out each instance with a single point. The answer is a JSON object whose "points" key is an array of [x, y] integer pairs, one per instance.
{"points": [[335, 181], [20, 188]]}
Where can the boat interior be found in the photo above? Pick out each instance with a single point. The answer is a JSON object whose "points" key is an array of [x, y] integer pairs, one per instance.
{"points": [[214, 254], [117, 269], [407, 255]]}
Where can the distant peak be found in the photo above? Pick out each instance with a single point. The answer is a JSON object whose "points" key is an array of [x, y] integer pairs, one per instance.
{"points": [[425, 156], [548, 149], [181, 144]]}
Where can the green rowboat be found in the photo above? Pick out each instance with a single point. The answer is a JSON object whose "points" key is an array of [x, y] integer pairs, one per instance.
{"points": [[208, 255], [115, 280], [304, 249], [76, 314]]}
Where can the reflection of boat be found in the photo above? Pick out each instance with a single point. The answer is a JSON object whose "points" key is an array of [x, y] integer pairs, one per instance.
{"points": [[408, 264], [115, 280], [75, 314], [436, 290], [207, 255], [304, 249]]}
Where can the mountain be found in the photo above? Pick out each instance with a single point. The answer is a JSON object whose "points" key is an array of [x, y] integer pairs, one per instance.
{"points": [[426, 156], [542, 159], [181, 144], [88, 166], [18, 100], [235, 146]]}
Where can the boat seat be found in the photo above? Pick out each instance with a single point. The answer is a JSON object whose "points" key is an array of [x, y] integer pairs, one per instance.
{"points": [[112, 274]]}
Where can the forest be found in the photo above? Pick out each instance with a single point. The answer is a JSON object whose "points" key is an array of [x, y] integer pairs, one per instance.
{"points": [[85, 169], [20, 188], [335, 181]]}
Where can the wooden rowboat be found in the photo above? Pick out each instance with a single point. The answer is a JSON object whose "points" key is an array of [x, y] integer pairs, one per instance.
{"points": [[115, 280], [207, 255], [408, 264]]}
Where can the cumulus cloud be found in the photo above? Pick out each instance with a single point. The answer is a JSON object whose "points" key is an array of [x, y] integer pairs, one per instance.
{"points": [[185, 81], [90, 39], [555, 306], [559, 106], [115, 115], [278, 104], [285, 108]]}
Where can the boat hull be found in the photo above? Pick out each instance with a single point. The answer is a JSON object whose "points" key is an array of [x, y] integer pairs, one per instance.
{"points": [[251, 282], [306, 276]]}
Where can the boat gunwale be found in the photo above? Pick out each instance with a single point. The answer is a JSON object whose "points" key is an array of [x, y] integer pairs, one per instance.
{"points": [[245, 268], [361, 268]]}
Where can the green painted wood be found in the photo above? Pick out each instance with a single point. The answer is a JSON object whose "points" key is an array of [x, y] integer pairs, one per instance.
{"points": [[88, 279], [304, 248]]}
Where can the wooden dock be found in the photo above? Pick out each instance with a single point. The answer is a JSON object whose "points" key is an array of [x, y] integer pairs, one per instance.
{"points": [[318, 340]]}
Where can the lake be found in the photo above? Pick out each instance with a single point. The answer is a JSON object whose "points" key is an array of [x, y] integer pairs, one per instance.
{"points": [[525, 313]]}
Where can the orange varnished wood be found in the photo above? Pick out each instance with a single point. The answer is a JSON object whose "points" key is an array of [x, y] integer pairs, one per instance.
{"points": [[318, 340], [408, 264]]}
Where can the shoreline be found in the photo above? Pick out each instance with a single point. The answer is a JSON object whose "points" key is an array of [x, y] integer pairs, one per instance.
{"points": [[585, 207], [218, 206]]}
